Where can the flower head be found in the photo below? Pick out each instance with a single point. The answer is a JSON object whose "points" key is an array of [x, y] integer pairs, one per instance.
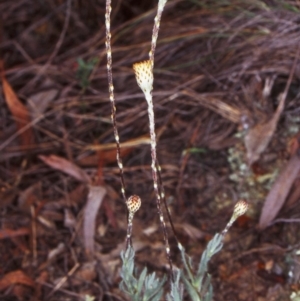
{"points": [[133, 204], [240, 208], [144, 75]]}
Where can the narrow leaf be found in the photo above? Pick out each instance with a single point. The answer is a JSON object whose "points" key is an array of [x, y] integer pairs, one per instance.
{"points": [[20, 113], [279, 192], [141, 281], [66, 166], [190, 289], [94, 201]]}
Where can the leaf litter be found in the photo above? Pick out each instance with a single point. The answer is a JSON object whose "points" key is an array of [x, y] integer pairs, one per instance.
{"points": [[202, 71]]}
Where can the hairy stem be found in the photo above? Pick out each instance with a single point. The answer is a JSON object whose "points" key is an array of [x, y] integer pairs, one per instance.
{"points": [[112, 96], [155, 178]]}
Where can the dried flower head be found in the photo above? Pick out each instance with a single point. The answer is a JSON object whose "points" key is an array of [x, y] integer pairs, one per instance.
{"points": [[144, 75], [240, 208], [133, 203]]}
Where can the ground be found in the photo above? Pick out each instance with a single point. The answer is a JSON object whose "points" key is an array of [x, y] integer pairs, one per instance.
{"points": [[225, 131]]}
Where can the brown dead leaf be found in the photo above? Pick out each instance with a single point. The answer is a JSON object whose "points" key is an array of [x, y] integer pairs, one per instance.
{"points": [[8, 233], [86, 273], [19, 112], [94, 201], [74, 198], [218, 106], [294, 144], [29, 196], [279, 192], [39, 102], [21, 291], [42, 278], [258, 137], [15, 277], [193, 232], [107, 156], [295, 194], [7, 195], [66, 166]]}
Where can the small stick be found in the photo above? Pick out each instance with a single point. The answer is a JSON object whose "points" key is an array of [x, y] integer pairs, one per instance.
{"points": [[112, 96], [34, 234], [63, 280]]}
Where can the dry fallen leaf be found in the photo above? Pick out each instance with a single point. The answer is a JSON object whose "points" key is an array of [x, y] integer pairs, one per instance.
{"points": [[66, 166], [107, 156], [14, 278], [19, 112], [86, 273], [39, 102], [20, 291], [258, 137], [42, 278], [295, 193], [75, 198], [94, 201], [7, 233], [193, 232], [7, 195], [29, 196], [279, 192]]}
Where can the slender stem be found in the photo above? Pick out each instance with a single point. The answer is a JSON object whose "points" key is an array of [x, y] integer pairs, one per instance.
{"points": [[155, 178], [163, 197], [155, 173], [129, 230], [112, 96], [160, 8]]}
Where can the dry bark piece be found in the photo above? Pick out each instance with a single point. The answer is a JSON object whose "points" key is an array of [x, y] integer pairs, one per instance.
{"points": [[279, 192]]}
